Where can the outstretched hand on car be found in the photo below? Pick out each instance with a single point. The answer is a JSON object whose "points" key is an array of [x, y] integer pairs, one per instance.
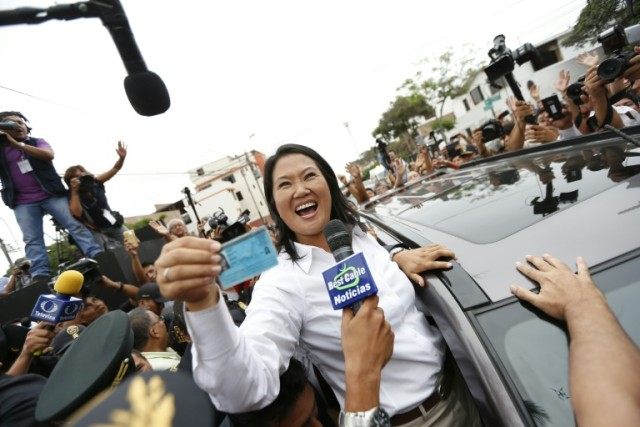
{"points": [[560, 289], [415, 261]]}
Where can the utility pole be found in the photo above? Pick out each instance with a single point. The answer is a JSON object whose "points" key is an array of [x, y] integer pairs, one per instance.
{"points": [[250, 164], [5, 251]]}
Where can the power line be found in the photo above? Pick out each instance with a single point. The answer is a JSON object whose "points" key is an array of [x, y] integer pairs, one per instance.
{"points": [[39, 98]]}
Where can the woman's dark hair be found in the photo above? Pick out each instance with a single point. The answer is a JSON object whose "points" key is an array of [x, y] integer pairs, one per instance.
{"points": [[340, 208], [292, 384]]}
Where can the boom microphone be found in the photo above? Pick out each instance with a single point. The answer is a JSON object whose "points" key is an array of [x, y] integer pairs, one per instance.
{"points": [[146, 91], [350, 280]]}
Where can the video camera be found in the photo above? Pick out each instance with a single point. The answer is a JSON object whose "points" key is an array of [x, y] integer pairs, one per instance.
{"points": [[492, 129], [574, 90], [383, 155], [615, 42], [503, 63], [219, 219], [503, 60]]}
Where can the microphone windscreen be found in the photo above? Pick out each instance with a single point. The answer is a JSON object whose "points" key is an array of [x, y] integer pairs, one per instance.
{"points": [[337, 235], [147, 93], [69, 282]]}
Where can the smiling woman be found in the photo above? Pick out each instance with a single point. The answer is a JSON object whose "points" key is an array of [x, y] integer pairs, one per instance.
{"points": [[303, 195], [291, 312]]}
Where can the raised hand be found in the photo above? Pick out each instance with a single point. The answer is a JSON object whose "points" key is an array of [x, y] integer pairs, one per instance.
{"points": [[159, 228], [563, 81], [121, 150], [187, 268], [589, 59]]}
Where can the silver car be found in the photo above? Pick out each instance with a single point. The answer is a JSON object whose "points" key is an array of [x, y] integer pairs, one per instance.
{"points": [[571, 198]]}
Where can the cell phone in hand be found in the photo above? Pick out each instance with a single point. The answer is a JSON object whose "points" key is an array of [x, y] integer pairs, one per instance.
{"points": [[246, 256], [130, 236], [553, 107]]}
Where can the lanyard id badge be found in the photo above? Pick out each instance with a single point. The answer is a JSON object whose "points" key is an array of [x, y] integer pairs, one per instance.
{"points": [[24, 166]]}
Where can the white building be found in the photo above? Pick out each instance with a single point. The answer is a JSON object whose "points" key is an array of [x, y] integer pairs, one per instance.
{"points": [[471, 110], [234, 184]]}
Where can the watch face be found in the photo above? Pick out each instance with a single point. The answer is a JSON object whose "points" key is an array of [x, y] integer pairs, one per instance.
{"points": [[381, 418]]}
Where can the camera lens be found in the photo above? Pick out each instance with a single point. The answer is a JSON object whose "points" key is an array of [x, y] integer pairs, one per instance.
{"points": [[611, 68]]}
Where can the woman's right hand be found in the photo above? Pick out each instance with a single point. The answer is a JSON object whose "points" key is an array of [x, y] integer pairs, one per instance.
{"points": [[187, 268]]}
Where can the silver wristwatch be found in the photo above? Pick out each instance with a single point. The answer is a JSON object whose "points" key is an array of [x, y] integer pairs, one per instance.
{"points": [[376, 417]]}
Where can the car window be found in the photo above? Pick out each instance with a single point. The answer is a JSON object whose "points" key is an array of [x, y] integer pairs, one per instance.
{"points": [[512, 195], [535, 353]]}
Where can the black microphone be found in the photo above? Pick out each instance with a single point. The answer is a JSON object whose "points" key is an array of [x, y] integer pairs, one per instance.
{"points": [[339, 241], [146, 91], [9, 125]]}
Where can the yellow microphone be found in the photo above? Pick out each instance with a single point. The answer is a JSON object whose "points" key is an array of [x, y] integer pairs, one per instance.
{"points": [[61, 306]]}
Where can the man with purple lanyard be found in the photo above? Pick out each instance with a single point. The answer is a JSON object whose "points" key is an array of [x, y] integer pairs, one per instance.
{"points": [[32, 188]]}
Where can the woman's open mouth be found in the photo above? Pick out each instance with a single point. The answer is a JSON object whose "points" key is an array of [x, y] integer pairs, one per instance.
{"points": [[307, 210]]}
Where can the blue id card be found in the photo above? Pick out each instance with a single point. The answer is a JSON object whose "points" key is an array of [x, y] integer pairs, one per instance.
{"points": [[246, 256]]}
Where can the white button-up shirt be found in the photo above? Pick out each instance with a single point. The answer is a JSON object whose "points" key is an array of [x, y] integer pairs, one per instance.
{"points": [[290, 310]]}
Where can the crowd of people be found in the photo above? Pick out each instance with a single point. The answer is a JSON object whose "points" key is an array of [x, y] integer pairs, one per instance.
{"points": [[279, 354], [588, 105]]}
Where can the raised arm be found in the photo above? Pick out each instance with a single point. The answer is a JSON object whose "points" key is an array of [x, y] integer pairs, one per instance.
{"points": [[121, 151], [239, 368]]}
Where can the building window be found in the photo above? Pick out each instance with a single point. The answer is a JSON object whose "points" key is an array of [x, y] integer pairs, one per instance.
{"points": [[476, 95], [200, 172], [466, 104], [239, 195], [230, 178], [548, 54]]}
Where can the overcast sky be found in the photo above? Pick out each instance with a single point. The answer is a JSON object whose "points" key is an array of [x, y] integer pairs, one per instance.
{"points": [[286, 71]]}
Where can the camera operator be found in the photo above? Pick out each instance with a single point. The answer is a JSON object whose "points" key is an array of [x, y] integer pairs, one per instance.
{"points": [[31, 187], [20, 275], [519, 110], [88, 202]]}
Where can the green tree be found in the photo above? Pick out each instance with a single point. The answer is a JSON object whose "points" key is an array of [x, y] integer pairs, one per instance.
{"points": [[597, 16], [404, 116], [450, 76], [444, 124]]}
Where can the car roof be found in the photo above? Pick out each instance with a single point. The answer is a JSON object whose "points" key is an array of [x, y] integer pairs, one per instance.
{"points": [[581, 198]]}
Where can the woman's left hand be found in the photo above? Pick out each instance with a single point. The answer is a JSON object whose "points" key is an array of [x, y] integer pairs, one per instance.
{"points": [[415, 261]]}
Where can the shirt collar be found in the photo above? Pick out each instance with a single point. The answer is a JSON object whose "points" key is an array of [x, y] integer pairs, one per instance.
{"points": [[305, 252]]}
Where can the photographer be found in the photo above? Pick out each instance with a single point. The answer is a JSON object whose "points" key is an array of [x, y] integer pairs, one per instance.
{"points": [[20, 275], [32, 187], [88, 202]]}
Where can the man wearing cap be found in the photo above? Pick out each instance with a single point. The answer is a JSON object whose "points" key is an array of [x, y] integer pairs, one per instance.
{"points": [[150, 337], [149, 297]]}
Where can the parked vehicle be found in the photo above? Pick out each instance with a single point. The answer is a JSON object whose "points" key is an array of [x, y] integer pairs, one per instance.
{"points": [[579, 197]]}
